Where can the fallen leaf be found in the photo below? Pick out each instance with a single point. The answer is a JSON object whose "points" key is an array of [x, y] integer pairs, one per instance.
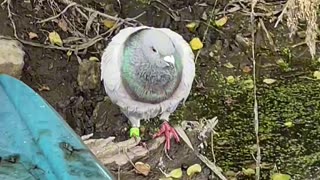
{"points": [[288, 124], [248, 84], [33, 35], [196, 168], [316, 74], [69, 53], [246, 69], [192, 26], [183, 136], [44, 88], [54, 38], [176, 173], [142, 168], [221, 22], [269, 81], [279, 176], [228, 65], [196, 44], [108, 23], [92, 58], [63, 25], [248, 172], [230, 80]]}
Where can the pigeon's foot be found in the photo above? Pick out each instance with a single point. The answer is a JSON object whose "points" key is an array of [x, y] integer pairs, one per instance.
{"points": [[167, 131]]}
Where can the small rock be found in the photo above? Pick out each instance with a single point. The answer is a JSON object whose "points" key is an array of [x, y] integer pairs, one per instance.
{"points": [[11, 57], [89, 75]]}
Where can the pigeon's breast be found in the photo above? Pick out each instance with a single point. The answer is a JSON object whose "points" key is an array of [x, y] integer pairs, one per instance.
{"points": [[146, 83]]}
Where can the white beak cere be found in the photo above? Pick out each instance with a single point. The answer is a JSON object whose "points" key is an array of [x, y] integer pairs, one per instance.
{"points": [[169, 59]]}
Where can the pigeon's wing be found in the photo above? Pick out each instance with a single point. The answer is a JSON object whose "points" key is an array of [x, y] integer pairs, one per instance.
{"points": [[111, 62], [187, 56]]}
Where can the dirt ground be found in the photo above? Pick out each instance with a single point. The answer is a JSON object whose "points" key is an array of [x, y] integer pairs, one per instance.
{"points": [[55, 69]]}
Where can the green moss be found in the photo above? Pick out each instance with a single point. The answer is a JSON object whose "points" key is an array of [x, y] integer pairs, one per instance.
{"points": [[288, 147]]}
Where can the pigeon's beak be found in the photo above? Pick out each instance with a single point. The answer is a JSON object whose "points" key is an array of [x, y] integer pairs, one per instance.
{"points": [[170, 60]]}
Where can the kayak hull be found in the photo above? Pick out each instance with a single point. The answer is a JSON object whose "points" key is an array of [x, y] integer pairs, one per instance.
{"points": [[36, 142]]}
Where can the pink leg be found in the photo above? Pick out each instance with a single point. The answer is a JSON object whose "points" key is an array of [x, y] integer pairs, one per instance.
{"points": [[167, 131]]}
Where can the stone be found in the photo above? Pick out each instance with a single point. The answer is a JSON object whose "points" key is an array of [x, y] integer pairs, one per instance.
{"points": [[11, 57]]}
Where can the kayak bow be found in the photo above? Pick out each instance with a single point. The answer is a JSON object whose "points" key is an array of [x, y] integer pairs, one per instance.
{"points": [[35, 141]]}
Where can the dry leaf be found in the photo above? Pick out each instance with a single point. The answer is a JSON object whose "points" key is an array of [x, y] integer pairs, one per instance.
{"points": [[246, 69], [176, 173], [54, 38], [279, 176], [108, 23], [44, 88], [33, 35], [183, 136], [196, 168], [142, 168], [166, 178], [221, 22], [196, 44], [269, 81], [63, 25], [316, 74]]}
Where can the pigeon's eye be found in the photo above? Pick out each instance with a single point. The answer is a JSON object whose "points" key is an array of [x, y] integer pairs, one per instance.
{"points": [[153, 49]]}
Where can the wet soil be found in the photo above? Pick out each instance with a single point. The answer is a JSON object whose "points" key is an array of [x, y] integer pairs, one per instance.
{"points": [[211, 95]]}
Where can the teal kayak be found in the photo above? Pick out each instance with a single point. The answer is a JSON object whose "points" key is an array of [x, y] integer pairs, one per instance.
{"points": [[35, 141]]}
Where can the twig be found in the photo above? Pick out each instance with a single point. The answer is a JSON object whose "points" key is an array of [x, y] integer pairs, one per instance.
{"points": [[68, 2], [271, 42], [280, 17], [82, 13], [207, 29], [255, 110], [56, 16], [211, 165]]}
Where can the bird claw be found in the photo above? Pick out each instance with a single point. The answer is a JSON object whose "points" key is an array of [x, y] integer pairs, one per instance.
{"points": [[167, 131]]}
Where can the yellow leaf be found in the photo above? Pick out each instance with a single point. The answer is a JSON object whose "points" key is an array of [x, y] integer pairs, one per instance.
{"points": [[288, 124], [196, 44], [69, 53], [248, 172], [228, 65], [230, 80], [248, 84], [192, 26], [279, 176], [92, 58], [108, 23], [316, 74], [196, 168], [54, 38], [269, 81], [221, 22], [176, 173], [166, 178]]}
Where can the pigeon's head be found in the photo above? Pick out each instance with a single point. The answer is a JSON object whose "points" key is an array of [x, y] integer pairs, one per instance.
{"points": [[158, 48]]}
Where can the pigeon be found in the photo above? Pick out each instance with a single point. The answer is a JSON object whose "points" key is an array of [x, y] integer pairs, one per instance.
{"points": [[148, 72]]}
